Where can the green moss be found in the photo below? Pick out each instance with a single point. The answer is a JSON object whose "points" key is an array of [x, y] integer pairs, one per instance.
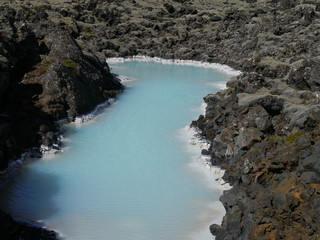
{"points": [[28, 10], [88, 30], [44, 66], [254, 150], [274, 138], [41, 8], [70, 63], [234, 85], [292, 138]]}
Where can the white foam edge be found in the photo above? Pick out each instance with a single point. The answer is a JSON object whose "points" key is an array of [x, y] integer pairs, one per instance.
{"points": [[219, 85], [195, 139], [125, 79], [212, 176], [217, 66], [49, 152], [214, 209], [204, 161], [98, 109]]}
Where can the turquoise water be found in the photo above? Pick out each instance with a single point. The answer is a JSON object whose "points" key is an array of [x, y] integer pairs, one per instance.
{"points": [[126, 175]]}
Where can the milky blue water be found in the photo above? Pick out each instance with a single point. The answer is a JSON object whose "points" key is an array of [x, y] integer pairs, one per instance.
{"points": [[126, 175]]}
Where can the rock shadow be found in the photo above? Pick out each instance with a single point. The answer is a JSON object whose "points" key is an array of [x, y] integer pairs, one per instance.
{"points": [[31, 195]]}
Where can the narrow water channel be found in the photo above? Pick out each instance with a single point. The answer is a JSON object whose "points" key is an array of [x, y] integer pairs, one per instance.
{"points": [[128, 174]]}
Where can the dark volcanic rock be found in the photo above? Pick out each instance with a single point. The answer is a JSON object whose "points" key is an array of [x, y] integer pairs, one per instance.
{"points": [[12, 230], [46, 77], [74, 83]]}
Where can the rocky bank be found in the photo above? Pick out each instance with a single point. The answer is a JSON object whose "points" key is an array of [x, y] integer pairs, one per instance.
{"points": [[44, 76], [264, 128]]}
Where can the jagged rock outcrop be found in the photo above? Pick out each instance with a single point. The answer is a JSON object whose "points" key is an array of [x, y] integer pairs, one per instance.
{"points": [[73, 83], [265, 138], [45, 76]]}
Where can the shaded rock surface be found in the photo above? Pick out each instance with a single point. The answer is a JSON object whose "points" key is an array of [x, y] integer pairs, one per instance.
{"points": [[11, 230], [264, 128]]}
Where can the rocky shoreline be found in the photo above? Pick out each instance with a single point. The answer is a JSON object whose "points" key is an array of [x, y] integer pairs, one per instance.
{"points": [[264, 129], [45, 76]]}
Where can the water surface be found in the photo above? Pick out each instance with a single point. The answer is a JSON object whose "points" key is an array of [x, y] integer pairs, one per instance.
{"points": [[126, 175]]}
